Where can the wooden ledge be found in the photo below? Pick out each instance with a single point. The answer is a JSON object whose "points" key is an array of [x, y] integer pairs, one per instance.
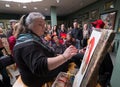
{"points": [[19, 83]]}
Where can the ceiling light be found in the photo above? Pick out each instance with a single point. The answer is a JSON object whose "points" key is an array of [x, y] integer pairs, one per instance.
{"points": [[35, 8], [24, 1], [46, 9], [7, 5], [24, 6], [58, 1]]}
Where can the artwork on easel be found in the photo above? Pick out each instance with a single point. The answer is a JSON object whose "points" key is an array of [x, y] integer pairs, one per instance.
{"points": [[109, 19], [97, 48], [94, 39], [110, 4]]}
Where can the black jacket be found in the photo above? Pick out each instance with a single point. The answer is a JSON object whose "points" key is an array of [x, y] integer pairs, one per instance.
{"points": [[31, 57], [77, 33]]}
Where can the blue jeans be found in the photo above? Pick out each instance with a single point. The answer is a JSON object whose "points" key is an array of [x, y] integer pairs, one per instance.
{"points": [[77, 44]]}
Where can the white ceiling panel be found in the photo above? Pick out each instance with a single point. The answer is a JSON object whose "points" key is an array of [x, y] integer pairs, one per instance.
{"points": [[64, 7]]}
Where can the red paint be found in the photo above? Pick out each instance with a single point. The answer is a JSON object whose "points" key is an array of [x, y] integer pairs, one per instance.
{"points": [[91, 45]]}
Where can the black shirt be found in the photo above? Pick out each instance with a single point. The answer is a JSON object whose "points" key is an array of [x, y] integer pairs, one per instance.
{"points": [[31, 57], [77, 33]]}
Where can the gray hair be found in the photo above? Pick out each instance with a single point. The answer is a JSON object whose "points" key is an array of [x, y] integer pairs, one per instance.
{"points": [[32, 16], [12, 21]]}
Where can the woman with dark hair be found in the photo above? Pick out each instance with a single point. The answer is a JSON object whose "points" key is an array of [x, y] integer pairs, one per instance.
{"points": [[55, 31]]}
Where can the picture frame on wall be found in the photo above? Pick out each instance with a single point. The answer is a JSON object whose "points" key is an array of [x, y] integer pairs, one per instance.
{"points": [[94, 14], [86, 16], [109, 5], [109, 19], [119, 25], [8, 26], [79, 19], [2, 25]]}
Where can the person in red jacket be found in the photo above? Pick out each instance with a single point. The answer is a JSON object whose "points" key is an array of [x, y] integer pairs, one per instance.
{"points": [[12, 38]]}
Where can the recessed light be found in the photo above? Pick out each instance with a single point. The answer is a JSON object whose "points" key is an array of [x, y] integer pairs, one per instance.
{"points": [[35, 8], [36, 0], [58, 1], [24, 1], [24, 6], [46, 9], [7, 5]]}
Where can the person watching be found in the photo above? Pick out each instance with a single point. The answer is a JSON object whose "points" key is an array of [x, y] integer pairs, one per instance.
{"points": [[10, 30]]}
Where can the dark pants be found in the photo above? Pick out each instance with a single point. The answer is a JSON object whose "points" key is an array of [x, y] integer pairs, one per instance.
{"points": [[6, 80], [85, 40]]}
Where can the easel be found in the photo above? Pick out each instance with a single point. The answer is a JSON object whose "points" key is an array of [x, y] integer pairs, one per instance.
{"points": [[91, 75]]}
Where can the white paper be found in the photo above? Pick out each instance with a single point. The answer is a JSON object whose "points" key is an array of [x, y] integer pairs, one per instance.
{"points": [[93, 41]]}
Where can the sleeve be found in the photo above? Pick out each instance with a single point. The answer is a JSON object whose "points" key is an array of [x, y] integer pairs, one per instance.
{"points": [[35, 59], [11, 41]]}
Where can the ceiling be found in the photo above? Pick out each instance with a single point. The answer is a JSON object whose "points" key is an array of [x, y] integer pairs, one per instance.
{"points": [[64, 7]]}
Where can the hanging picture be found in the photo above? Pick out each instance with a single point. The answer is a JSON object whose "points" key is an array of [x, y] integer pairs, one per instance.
{"points": [[2, 25], [8, 26], [86, 16], [94, 14], [80, 18], [109, 5], [109, 19], [119, 25]]}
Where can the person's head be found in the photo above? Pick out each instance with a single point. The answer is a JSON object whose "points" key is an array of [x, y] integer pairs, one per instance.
{"points": [[56, 40], [47, 36], [85, 26], [69, 37], [54, 27], [12, 23], [48, 27], [62, 27], [75, 24], [34, 22]]}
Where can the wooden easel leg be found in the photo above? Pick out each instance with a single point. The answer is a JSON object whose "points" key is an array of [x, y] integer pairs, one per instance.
{"points": [[9, 73]]}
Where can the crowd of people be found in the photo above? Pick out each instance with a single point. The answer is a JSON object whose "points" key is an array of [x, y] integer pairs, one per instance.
{"points": [[41, 52]]}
